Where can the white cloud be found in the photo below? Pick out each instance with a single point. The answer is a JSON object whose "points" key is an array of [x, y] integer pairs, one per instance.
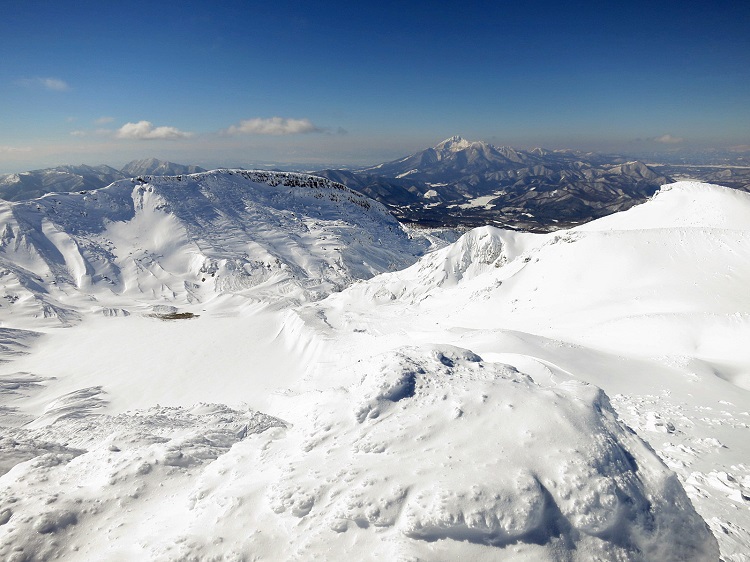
{"points": [[15, 149], [145, 130], [54, 84], [78, 133], [104, 120], [273, 126], [669, 139]]}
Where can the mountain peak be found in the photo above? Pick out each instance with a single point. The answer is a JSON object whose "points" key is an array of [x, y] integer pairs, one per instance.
{"points": [[454, 144]]}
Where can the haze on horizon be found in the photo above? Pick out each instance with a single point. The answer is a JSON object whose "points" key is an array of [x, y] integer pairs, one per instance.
{"points": [[237, 82]]}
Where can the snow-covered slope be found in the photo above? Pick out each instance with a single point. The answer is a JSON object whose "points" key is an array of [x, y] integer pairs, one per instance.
{"points": [[182, 241], [449, 410], [650, 304]]}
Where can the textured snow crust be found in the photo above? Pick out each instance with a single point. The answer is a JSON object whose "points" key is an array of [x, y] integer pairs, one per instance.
{"points": [[424, 452], [450, 410]]}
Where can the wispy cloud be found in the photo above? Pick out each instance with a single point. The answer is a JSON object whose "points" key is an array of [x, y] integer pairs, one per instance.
{"points": [[8, 149], [78, 133], [145, 130], [669, 139], [54, 84], [273, 126], [103, 120]]}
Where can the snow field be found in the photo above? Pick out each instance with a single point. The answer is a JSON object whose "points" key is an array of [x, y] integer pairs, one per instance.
{"points": [[448, 410]]}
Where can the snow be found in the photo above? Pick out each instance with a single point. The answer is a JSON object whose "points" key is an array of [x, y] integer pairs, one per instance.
{"points": [[408, 173], [479, 202], [579, 395], [454, 144]]}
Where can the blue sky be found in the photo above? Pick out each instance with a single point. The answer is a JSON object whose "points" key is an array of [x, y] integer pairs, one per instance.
{"points": [[237, 83]]}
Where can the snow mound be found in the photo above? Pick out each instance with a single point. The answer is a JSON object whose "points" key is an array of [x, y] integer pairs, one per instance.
{"points": [[476, 253], [442, 449]]}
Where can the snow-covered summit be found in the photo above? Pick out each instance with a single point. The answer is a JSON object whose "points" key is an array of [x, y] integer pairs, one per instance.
{"points": [[453, 144], [681, 205]]}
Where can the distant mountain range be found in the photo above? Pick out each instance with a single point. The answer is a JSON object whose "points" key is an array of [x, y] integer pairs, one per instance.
{"points": [[33, 184], [472, 183], [457, 183]]}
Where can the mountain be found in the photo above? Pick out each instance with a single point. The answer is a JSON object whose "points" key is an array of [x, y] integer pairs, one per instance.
{"points": [[472, 183], [33, 184], [183, 240], [649, 304], [30, 185], [155, 167], [267, 365]]}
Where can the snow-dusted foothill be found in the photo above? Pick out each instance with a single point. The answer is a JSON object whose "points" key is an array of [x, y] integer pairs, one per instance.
{"points": [[579, 395]]}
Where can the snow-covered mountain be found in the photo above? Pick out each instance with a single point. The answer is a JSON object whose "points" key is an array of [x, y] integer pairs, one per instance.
{"points": [[461, 182], [33, 184], [649, 304], [477, 402], [30, 185], [180, 241], [156, 167]]}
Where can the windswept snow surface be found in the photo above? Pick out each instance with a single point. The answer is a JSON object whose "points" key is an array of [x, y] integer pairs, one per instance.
{"points": [[453, 409]]}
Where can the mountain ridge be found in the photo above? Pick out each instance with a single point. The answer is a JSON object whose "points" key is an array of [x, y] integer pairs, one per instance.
{"points": [[189, 238], [66, 178], [472, 183]]}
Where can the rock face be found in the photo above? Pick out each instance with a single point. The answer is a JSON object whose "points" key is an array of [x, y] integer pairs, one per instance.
{"points": [[460, 182]]}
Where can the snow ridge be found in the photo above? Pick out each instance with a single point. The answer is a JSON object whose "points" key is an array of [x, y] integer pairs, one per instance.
{"points": [[186, 239]]}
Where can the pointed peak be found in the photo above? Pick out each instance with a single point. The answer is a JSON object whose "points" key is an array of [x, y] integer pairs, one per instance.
{"points": [[454, 144]]}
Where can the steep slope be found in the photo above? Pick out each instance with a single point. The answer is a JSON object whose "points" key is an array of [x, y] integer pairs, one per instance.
{"points": [[184, 240]]}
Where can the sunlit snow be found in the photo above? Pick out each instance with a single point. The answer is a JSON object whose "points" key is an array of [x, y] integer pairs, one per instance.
{"points": [[260, 366]]}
